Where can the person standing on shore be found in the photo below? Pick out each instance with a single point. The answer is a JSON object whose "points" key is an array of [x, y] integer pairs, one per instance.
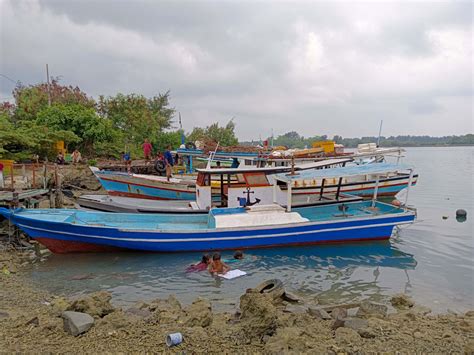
{"points": [[147, 148], [76, 156], [168, 162]]}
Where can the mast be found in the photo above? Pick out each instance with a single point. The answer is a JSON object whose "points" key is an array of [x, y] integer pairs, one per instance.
{"points": [[380, 132]]}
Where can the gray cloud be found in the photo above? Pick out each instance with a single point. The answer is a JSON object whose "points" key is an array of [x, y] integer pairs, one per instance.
{"points": [[319, 68]]}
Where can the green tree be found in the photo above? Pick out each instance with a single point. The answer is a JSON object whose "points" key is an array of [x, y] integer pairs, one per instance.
{"points": [[30, 100], [21, 141], [82, 121], [136, 116], [225, 136]]}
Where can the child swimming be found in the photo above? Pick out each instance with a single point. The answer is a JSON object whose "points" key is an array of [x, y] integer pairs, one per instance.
{"points": [[217, 266], [202, 265]]}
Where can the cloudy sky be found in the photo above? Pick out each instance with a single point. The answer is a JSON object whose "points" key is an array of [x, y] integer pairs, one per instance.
{"points": [[325, 67]]}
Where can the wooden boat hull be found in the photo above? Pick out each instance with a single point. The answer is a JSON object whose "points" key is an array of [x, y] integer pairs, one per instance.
{"points": [[159, 189], [153, 188], [68, 234]]}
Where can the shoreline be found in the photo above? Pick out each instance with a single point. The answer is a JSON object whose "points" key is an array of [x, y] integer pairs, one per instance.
{"points": [[30, 319]]}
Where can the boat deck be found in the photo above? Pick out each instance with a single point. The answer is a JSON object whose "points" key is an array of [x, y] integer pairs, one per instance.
{"points": [[176, 222]]}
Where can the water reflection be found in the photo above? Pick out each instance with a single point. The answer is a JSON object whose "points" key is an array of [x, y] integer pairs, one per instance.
{"points": [[344, 272]]}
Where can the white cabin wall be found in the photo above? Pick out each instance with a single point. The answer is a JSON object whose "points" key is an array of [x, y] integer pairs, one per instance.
{"points": [[264, 193], [204, 196]]}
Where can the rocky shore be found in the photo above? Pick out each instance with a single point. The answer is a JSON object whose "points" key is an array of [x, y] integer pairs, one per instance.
{"points": [[32, 320]]}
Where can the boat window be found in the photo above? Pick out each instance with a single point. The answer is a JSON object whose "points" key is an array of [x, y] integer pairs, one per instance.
{"points": [[240, 178], [256, 179], [202, 179]]}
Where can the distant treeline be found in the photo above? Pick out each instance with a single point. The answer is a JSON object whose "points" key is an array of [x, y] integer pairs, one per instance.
{"points": [[294, 140], [408, 141]]}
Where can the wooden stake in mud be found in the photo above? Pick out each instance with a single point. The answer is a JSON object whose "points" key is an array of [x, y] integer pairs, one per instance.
{"points": [[58, 203], [12, 177], [44, 176], [33, 178]]}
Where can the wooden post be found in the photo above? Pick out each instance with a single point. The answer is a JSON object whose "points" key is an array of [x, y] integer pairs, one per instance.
{"points": [[338, 188], [44, 176], [322, 189], [59, 194], [23, 173], [12, 177], [15, 199], [33, 182], [56, 175]]}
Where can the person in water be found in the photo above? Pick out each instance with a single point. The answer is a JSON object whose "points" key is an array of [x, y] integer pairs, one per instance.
{"points": [[238, 255], [202, 265], [217, 266]]}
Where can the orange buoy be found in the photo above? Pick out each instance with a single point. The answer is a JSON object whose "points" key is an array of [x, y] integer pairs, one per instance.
{"points": [[396, 203]]}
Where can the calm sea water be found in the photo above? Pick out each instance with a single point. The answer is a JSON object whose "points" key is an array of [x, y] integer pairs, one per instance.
{"points": [[431, 260]]}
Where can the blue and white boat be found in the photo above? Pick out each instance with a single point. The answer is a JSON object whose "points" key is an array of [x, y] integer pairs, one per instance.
{"points": [[240, 224]]}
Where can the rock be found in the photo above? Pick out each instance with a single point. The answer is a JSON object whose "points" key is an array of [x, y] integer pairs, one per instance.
{"points": [[420, 310], [59, 305], [114, 321], [289, 297], [96, 304], [171, 304], [319, 313], [369, 308], [34, 321], [401, 301], [199, 314], [165, 311], [352, 312], [76, 323], [347, 336], [258, 314], [338, 323], [339, 313], [469, 314], [417, 335], [469, 348], [295, 309], [144, 305], [82, 277], [286, 340], [356, 323], [361, 326], [138, 312]]}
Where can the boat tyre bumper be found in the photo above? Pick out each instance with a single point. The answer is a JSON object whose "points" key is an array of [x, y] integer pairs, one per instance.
{"points": [[272, 287]]}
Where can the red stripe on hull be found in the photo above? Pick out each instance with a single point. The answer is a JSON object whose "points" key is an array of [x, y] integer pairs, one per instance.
{"points": [[191, 189], [58, 246]]}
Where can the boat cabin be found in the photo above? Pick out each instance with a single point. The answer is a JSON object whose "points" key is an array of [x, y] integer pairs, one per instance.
{"points": [[263, 186]]}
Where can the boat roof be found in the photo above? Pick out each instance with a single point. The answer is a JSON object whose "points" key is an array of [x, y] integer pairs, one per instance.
{"points": [[322, 163], [275, 169], [375, 168], [250, 169]]}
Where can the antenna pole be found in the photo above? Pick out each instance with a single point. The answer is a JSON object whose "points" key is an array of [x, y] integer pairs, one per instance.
{"points": [[47, 80], [380, 132]]}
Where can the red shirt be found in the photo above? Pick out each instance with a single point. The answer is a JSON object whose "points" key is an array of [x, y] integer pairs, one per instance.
{"points": [[147, 148]]}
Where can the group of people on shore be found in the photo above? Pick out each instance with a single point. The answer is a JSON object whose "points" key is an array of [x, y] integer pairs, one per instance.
{"points": [[214, 264], [76, 157]]}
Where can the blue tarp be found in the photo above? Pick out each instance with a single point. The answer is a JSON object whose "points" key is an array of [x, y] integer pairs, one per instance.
{"points": [[354, 170]]}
